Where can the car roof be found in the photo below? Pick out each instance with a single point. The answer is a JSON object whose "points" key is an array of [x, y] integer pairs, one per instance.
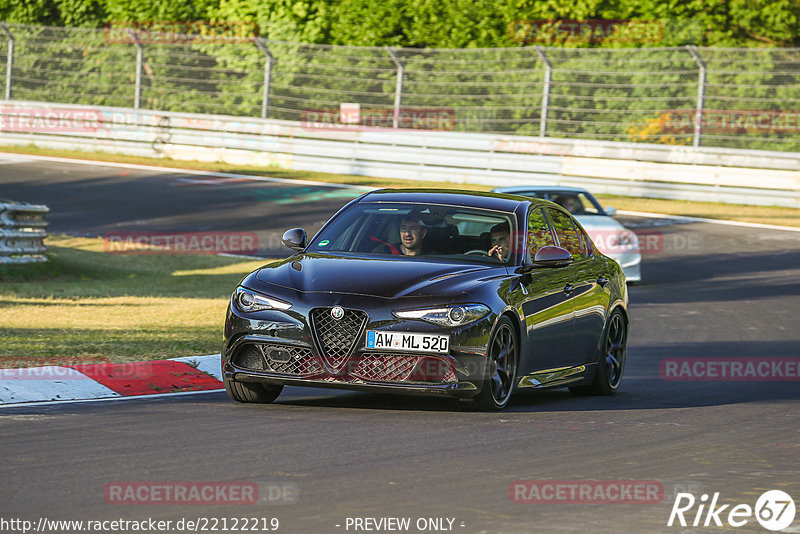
{"points": [[542, 188], [478, 199]]}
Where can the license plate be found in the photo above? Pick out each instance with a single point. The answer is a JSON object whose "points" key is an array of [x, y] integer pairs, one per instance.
{"points": [[408, 341]]}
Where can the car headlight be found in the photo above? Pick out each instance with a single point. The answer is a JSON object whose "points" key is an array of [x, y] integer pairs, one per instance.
{"points": [[447, 315], [247, 300]]}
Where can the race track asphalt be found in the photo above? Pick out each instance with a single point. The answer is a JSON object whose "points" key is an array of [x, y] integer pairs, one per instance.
{"points": [[709, 291]]}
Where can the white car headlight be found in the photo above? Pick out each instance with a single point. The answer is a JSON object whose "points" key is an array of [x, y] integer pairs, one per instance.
{"points": [[247, 300], [446, 315]]}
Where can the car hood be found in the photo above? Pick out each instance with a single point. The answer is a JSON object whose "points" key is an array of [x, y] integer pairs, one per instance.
{"points": [[387, 278], [598, 222]]}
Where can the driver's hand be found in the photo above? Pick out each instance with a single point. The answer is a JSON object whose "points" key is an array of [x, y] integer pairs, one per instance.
{"points": [[496, 252]]}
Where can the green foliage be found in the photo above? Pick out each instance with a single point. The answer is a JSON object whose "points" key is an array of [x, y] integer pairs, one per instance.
{"points": [[480, 72]]}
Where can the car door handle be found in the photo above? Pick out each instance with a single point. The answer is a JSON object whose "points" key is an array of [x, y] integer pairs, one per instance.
{"points": [[602, 281], [568, 288]]}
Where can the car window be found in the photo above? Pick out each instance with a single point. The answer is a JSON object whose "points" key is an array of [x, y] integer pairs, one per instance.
{"points": [[586, 241], [568, 237], [539, 234], [587, 205], [577, 203], [400, 229]]}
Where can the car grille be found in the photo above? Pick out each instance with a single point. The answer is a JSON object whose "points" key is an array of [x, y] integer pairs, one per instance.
{"points": [[291, 360], [393, 367], [281, 359], [336, 338], [384, 367]]}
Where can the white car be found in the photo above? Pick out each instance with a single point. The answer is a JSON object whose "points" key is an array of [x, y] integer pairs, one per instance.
{"points": [[609, 236]]}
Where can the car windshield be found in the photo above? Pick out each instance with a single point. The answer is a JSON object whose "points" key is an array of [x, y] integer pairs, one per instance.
{"points": [[577, 203], [399, 229]]}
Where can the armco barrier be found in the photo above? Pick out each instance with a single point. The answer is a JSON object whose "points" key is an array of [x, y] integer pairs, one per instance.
{"points": [[22, 232], [635, 169]]}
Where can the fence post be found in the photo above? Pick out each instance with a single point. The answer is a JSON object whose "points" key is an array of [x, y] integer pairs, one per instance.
{"points": [[398, 91], [9, 59], [701, 89], [137, 88], [267, 76], [548, 70]]}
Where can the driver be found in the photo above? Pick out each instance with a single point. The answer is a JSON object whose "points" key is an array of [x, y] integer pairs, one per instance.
{"points": [[499, 235], [412, 234], [570, 203]]}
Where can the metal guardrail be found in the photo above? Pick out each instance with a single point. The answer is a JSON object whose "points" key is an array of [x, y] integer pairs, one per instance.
{"points": [[635, 169], [22, 232]]}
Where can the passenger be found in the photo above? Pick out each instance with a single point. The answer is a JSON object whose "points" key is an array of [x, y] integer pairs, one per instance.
{"points": [[500, 236]]}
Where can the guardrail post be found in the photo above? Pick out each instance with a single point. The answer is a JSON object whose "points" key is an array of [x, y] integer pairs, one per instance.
{"points": [[137, 88], [267, 76], [701, 89], [9, 58], [548, 72], [398, 91]]}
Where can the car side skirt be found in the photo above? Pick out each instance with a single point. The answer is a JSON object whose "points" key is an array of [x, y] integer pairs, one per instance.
{"points": [[559, 377]]}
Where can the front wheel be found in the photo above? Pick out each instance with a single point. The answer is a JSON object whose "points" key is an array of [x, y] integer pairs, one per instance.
{"points": [[501, 368], [252, 391], [612, 359]]}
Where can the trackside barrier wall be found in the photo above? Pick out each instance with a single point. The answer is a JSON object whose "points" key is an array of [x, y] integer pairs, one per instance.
{"points": [[634, 169], [22, 232]]}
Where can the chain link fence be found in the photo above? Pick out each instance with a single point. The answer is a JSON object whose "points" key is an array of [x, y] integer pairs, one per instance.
{"points": [[720, 97]]}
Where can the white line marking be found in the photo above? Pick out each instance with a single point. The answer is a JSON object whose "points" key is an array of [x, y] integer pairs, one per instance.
{"points": [[120, 398], [8, 160], [175, 170], [49, 382], [712, 221]]}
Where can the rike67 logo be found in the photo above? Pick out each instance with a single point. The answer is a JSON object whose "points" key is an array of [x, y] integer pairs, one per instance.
{"points": [[774, 510]]}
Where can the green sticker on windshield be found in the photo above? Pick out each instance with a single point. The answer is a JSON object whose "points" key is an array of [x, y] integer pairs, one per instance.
{"points": [[324, 242]]}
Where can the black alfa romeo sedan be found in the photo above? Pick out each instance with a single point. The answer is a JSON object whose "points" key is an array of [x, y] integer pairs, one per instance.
{"points": [[432, 292]]}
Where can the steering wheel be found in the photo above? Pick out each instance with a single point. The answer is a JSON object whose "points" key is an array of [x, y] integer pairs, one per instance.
{"points": [[477, 251]]}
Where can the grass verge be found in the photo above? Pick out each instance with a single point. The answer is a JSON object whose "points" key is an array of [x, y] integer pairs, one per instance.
{"points": [[86, 305], [711, 210]]}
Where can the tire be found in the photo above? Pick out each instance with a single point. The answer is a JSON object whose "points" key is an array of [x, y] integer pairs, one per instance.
{"points": [[611, 363], [252, 391], [501, 368]]}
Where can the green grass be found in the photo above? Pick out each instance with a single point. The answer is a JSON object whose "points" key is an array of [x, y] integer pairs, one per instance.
{"points": [[89, 305], [711, 210]]}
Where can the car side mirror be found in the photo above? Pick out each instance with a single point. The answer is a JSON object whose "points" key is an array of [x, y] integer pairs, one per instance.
{"points": [[610, 211], [550, 256], [295, 239], [546, 257]]}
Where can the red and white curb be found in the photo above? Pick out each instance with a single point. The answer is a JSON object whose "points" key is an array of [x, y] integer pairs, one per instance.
{"points": [[80, 382]]}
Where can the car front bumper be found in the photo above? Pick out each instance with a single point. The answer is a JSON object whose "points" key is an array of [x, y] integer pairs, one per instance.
{"points": [[458, 373]]}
